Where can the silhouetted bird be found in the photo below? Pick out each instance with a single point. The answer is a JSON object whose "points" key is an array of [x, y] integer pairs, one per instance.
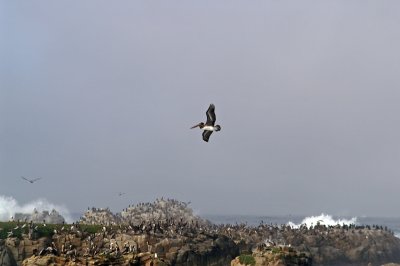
{"points": [[31, 180]]}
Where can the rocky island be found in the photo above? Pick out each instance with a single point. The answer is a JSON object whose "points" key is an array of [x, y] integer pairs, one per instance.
{"points": [[166, 232]]}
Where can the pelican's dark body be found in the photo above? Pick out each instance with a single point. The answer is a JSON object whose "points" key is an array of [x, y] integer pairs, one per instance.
{"points": [[209, 126]]}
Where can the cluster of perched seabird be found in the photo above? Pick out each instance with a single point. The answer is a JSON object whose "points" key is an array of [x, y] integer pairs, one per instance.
{"points": [[123, 237], [99, 216], [160, 210], [105, 241]]}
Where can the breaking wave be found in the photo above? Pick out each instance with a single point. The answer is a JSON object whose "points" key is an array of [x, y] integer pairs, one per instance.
{"points": [[9, 206], [323, 219]]}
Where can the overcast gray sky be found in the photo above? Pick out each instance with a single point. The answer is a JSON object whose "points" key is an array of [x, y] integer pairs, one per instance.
{"points": [[97, 97]]}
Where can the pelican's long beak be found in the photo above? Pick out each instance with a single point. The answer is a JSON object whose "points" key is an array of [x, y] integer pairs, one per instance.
{"points": [[195, 126]]}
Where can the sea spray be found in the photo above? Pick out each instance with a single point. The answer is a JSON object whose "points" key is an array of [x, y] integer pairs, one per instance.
{"points": [[323, 219], [9, 207]]}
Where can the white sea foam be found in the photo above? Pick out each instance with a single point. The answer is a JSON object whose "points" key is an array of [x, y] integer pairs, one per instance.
{"points": [[322, 219], [9, 206]]}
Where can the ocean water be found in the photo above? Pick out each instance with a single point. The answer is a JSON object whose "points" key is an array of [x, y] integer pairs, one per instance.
{"points": [[392, 223]]}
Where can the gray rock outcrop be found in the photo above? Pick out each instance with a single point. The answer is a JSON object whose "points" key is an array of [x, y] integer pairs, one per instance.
{"points": [[38, 217]]}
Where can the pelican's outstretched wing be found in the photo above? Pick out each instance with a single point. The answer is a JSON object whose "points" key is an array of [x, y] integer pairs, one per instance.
{"points": [[25, 179], [206, 135], [36, 179], [211, 115]]}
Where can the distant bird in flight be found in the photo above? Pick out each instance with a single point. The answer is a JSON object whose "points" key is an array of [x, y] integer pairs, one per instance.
{"points": [[31, 180], [121, 193], [209, 125]]}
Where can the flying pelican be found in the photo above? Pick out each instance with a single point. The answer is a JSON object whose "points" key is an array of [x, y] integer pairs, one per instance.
{"points": [[209, 125], [31, 180]]}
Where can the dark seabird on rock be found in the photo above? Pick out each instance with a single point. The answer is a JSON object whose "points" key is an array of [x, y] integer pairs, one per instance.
{"points": [[31, 180], [209, 127]]}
